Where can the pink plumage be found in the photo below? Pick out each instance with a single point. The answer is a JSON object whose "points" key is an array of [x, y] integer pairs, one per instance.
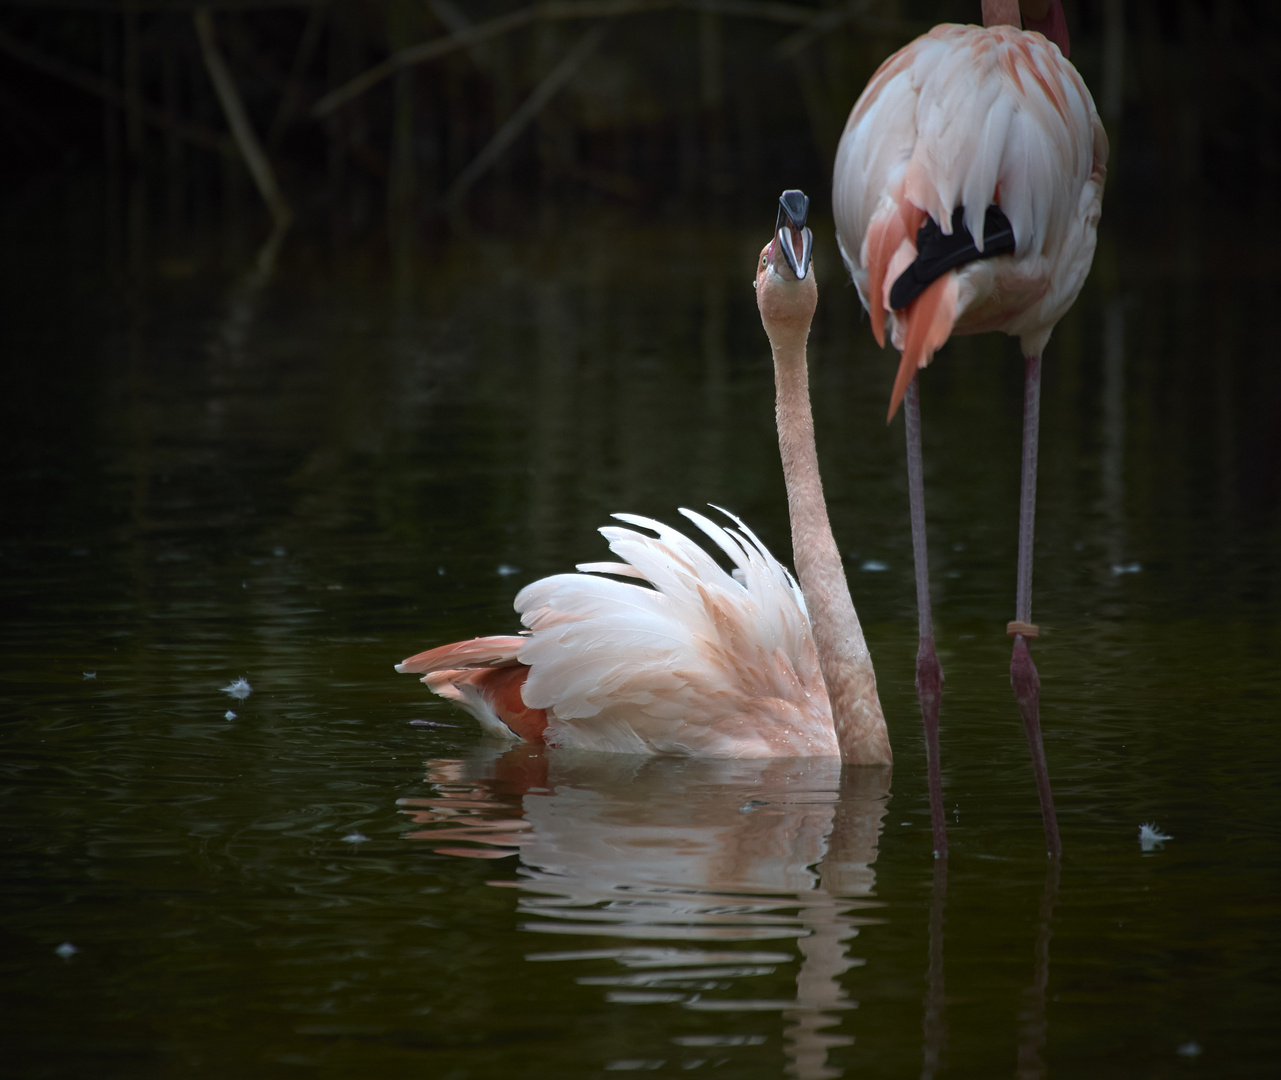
{"points": [[967, 193], [694, 660], [684, 657], [970, 116]]}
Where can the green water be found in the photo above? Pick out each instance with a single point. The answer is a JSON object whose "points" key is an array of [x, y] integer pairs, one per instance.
{"points": [[304, 480]]}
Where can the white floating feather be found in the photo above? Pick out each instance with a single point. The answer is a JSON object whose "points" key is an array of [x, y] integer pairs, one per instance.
{"points": [[238, 688], [1151, 837]]}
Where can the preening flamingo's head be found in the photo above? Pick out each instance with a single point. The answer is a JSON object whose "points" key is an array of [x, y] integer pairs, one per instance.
{"points": [[785, 289]]}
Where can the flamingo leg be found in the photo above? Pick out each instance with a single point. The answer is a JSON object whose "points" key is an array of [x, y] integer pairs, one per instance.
{"points": [[1023, 675], [929, 674]]}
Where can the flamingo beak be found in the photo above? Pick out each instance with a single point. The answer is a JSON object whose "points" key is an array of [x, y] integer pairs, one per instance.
{"points": [[795, 240]]}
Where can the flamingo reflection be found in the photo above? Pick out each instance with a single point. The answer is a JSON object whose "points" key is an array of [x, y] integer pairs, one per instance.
{"points": [[694, 864]]}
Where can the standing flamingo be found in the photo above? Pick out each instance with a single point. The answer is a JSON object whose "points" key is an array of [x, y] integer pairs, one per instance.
{"points": [[695, 661], [967, 191]]}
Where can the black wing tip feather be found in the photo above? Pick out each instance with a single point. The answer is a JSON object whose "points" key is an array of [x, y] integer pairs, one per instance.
{"points": [[937, 253]]}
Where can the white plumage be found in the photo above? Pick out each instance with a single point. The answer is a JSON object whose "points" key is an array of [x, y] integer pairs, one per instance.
{"points": [[964, 125], [973, 116], [684, 657], [702, 663]]}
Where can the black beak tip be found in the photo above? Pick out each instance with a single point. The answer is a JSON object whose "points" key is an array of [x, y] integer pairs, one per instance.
{"points": [[793, 207]]}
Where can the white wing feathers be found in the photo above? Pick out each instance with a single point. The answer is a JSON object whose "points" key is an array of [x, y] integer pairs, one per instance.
{"points": [[989, 116], [700, 663], [972, 116]]}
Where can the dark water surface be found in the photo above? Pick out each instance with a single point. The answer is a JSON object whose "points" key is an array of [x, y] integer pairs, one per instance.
{"points": [[303, 480]]}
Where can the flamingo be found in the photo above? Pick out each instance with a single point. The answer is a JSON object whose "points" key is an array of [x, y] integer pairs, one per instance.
{"points": [[967, 191], [687, 659]]}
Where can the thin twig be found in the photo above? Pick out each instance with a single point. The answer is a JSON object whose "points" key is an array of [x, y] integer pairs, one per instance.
{"points": [[91, 84], [528, 109], [551, 11], [802, 39], [243, 132], [302, 60], [456, 22]]}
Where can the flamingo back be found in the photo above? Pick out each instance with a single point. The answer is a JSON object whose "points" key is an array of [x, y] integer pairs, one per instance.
{"points": [[697, 661], [968, 116]]}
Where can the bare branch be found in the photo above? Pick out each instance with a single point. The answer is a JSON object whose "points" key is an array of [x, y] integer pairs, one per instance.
{"points": [[529, 108], [552, 11], [243, 132], [289, 100]]}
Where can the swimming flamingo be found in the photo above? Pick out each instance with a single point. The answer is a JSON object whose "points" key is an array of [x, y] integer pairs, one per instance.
{"points": [[693, 660], [967, 190]]}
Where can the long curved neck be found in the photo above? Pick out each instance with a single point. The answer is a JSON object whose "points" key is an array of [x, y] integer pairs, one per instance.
{"points": [[842, 653]]}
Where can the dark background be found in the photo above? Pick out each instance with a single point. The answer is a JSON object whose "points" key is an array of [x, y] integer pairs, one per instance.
{"points": [[681, 107], [117, 149]]}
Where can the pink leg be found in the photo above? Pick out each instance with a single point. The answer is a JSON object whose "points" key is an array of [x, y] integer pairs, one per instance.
{"points": [[929, 674], [1023, 675]]}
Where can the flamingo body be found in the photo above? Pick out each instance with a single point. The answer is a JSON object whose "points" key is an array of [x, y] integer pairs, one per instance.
{"points": [[962, 119], [693, 661], [967, 192]]}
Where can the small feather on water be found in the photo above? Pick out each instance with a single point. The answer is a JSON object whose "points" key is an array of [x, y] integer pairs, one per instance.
{"points": [[238, 688], [355, 838], [66, 950], [1151, 837], [229, 715], [89, 674]]}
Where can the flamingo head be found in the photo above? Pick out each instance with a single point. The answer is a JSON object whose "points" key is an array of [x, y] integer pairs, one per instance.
{"points": [[785, 289]]}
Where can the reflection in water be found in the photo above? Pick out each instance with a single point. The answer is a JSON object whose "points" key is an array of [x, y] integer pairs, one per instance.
{"points": [[681, 851], [234, 337], [1032, 1023], [935, 1023]]}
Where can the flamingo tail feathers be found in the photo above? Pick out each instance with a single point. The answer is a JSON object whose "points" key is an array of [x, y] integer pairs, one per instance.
{"points": [[885, 237], [926, 323], [495, 651], [486, 678]]}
